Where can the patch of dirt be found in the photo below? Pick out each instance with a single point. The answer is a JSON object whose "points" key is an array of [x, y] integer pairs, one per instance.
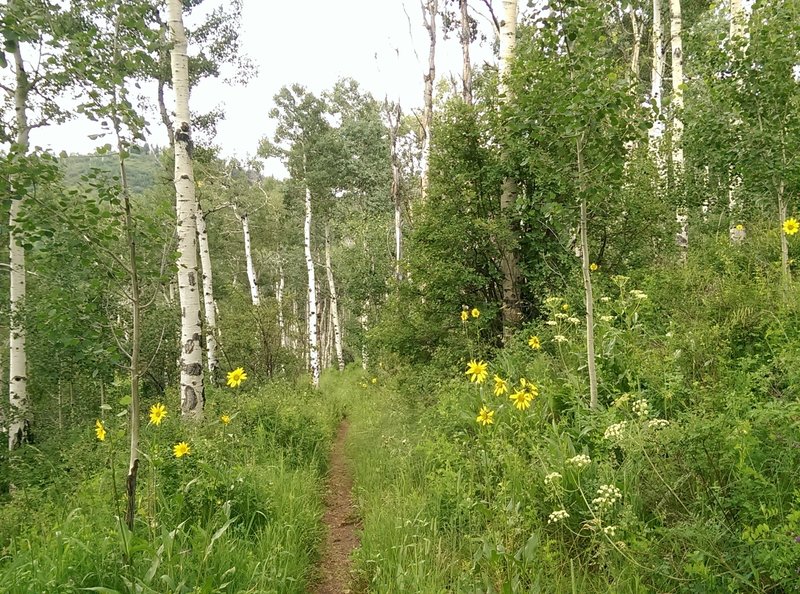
{"points": [[341, 521]]}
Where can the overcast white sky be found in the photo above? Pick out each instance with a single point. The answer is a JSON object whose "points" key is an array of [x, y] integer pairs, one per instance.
{"points": [[314, 43]]}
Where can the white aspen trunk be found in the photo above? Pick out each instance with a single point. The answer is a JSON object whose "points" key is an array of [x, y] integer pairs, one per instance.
{"points": [[19, 425], [313, 350], [337, 330], [364, 327], [737, 19], [512, 316], [656, 87], [466, 36], [430, 9], [737, 27], [394, 114], [248, 256], [209, 307], [279, 286], [636, 27], [191, 358], [681, 215]]}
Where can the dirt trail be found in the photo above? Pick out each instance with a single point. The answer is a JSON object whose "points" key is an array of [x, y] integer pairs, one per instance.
{"points": [[341, 523]]}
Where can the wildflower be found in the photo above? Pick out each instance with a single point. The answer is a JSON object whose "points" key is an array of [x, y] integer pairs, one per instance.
{"points": [[374, 380], [500, 386], [607, 495], [534, 343], [181, 449], [574, 321], [560, 338], [593, 266], [657, 423], [739, 227], [477, 371], [791, 226], [157, 413], [561, 316], [553, 476], [363, 384], [225, 419], [610, 531], [641, 408], [485, 416], [557, 516], [464, 315], [521, 399], [551, 323], [552, 301], [605, 299], [580, 461], [236, 377], [100, 430], [637, 294], [475, 312], [565, 307], [531, 388], [606, 318], [615, 431]]}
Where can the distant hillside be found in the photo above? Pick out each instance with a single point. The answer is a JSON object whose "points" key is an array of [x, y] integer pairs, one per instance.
{"points": [[144, 169]]}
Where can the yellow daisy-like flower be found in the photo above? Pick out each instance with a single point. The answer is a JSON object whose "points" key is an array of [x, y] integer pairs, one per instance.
{"points": [[500, 386], [475, 312], [181, 449], [535, 343], [521, 399], [477, 371], [100, 430], [485, 416], [531, 388], [225, 419], [464, 315], [791, 226], [565, 307], [236, 377], [157, 413], [593, 266], [374, 380], [739, 227]]}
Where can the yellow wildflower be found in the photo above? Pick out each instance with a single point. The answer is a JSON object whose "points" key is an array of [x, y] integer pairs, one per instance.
{"points": [[477, 371], [521, 399], [739, 227], [593, 266], [485, 416], [181, 449], [475, 312], [157, 413], [464, 315], [565, 307], [534, 343], [236, 377], [374, 380], [500, 386], [225, 419], [99, 430], [791, 226]]}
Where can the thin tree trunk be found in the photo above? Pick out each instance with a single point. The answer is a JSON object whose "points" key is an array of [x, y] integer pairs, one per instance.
{"points": [[191, 358], [279, 286], [737, 19], [430, 9], [248, 256], [394, 114], [364, 327], [676, 107], [337, 330], [209, 307], [313, 350], [636, 27], [466, 38], [19, 427], [656, 87], [512, 314]]}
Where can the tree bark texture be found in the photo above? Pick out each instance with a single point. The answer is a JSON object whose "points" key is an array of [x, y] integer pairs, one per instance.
{"points": [[313, 348], [337, 330], [430, 9], [465, 38], [209, 307]]}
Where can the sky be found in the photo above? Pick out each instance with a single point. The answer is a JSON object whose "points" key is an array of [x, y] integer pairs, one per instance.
{"points": [[380, 43]]}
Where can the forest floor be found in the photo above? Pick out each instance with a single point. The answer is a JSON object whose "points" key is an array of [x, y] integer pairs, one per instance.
{"points": [[341, 522]]}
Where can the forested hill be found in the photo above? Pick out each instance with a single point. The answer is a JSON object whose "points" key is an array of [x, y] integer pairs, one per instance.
{"points": [[144, 168]]}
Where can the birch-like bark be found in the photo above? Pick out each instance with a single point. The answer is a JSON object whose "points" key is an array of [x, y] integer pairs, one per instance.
{"points": [[248, 257], [19, 426], [512, 315], [393, 115], [313, 349], [737, 19], [364, 320], [337, 329], [209, 307], [656, 88], [430, 9], [676, 105], [191, 358], [279, 287], [636, 51], [465, 38]]}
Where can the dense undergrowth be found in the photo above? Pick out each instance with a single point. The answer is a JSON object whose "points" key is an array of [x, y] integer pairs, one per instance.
{"points": [[240, 513]]}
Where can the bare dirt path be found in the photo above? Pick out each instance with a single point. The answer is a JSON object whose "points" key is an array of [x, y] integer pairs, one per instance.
{"points": [[341, 523]]}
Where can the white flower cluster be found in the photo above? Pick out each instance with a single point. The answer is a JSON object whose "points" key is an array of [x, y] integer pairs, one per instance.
{"points": [[560, 338], [551, 323], [637, 294], [610, 530], [574, 321], [606, 318], [657, 423], [561, 316], [641, 408], [615, 431], [552, 301], [607, 495], [581, 460], [553, 476], [605, 299], [557, 516]]}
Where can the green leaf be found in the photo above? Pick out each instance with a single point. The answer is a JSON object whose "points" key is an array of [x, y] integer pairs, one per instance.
{"points": [[125, 401]]}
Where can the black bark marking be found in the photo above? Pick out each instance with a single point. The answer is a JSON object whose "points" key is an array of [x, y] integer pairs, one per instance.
{"points": [[193, 369], [184, 135], [188, 348], [189, 398], [192, 280]]}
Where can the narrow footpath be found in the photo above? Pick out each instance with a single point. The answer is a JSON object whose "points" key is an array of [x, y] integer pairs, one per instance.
{"points": [[341, 522]]}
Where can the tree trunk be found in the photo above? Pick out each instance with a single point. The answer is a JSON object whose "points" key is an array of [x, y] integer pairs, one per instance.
{"points": [[209, 307], [512, 314], [19, 426], [364, 351], [248, 256], [430, 8], [191, 358], [676, 106], [737, 19], [279, 286], [636, 51], [394, 114], [466, 38], [313, 350], [656, 87], [337, 330]]}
